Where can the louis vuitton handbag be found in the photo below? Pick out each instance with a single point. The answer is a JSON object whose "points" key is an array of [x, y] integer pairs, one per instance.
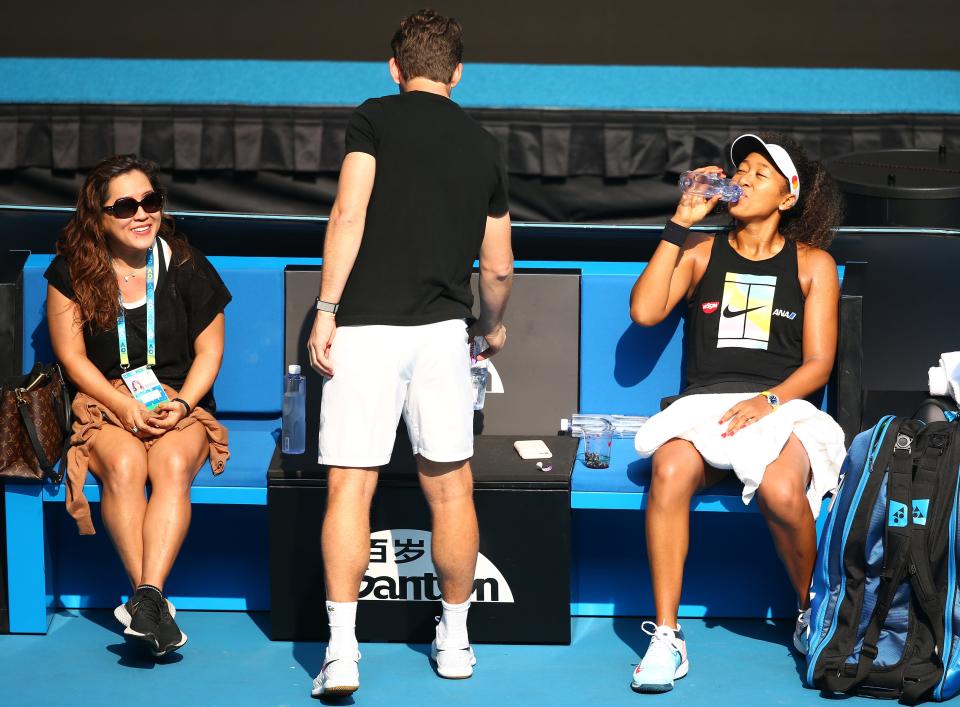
{"points": [[34, 425]]}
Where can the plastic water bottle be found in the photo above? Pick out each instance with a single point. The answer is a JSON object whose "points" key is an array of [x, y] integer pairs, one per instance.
{"points": [[478, 372], [709, 186], [293, 437], [622, 425]]}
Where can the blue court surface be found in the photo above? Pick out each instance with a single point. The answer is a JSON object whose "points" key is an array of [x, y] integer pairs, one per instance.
{"points": [[230, 661]]}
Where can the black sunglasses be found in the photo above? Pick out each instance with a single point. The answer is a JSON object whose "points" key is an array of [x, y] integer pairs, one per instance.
{"points": [[127, 206]]}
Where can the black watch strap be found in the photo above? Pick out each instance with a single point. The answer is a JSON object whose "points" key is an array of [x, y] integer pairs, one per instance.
{"points": [[327, 306]]}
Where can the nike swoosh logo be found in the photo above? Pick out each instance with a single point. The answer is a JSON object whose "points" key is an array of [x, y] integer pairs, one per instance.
{"points": [[727, 312]]}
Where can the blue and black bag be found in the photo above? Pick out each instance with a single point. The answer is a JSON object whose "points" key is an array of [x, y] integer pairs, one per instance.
{"points": [[885, 612]]}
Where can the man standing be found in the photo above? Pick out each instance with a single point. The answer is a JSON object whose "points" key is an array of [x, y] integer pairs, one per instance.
{"points": [[422, 192]]}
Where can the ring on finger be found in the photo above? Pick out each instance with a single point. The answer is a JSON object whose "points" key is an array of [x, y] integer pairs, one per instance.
{"points": [[135, 429]]}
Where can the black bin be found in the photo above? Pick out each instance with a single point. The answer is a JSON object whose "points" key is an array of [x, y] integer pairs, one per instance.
{"points": [[522, 590], [919, 188]]}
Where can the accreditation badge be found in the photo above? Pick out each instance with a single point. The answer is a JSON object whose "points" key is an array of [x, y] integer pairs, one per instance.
{"points": [[143, 385]]}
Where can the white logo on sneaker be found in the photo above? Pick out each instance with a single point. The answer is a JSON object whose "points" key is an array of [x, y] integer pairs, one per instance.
{"points": [[401, 569]]}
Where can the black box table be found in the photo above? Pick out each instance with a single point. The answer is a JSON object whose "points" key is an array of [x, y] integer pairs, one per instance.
{"points": [[522, 586]]}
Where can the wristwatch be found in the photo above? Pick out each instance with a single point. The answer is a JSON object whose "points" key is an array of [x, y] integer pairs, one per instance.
{"points": [[772, 398], [327, 306]]}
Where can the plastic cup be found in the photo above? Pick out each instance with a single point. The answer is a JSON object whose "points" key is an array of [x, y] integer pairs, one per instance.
{"points": [[597, 445]]}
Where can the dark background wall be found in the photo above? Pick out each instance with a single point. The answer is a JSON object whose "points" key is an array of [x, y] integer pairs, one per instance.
{"points": [[813, 33]]}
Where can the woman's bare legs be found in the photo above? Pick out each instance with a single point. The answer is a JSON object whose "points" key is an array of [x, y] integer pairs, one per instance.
{"points": [[783, 501], [119, 461], [678, 472], [172, 464]]}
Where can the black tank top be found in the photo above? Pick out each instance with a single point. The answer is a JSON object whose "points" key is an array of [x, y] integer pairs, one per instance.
{"points": [[744, 327]]}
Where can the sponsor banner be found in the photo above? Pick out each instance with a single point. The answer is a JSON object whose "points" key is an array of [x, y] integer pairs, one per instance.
{"points": [[401, 569]]}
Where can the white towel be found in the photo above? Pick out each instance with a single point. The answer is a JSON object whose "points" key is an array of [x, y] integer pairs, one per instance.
{"points": [[937, 381], [950, 362], [945, 378], [752, 449]]}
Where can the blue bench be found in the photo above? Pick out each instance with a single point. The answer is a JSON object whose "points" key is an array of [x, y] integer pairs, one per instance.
{"points": [[624, 368], [248, 400]]}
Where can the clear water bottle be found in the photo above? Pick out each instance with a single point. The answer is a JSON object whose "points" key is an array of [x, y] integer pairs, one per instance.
{"points": [[709, 186], [293, 436], [622, 425], [478, 372]]}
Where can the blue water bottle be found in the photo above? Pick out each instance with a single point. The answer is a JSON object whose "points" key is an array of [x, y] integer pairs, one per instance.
{"points": [[709, 186], [293, 437]]}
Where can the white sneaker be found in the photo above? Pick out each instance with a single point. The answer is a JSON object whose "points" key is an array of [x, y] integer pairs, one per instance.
{"points": [[664, 661], [340, 675], [454, 657], [801, 632]]}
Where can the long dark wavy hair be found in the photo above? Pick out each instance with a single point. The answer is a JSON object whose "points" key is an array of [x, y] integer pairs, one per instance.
{"points": [[819, 210], [84, 241]]}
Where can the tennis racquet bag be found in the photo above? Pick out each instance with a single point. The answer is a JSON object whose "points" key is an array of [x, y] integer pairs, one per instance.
{"points": [[885, 609]]}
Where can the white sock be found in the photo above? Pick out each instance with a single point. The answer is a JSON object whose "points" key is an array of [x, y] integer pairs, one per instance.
{"points": [[342, 616], [454, 620]]}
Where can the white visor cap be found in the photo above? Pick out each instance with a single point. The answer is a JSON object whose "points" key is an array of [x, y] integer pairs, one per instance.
{"points": [[745, 144]]}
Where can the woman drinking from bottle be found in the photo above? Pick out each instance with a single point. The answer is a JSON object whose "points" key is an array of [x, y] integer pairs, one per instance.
{"points": [[761, 332], [136, 319]]}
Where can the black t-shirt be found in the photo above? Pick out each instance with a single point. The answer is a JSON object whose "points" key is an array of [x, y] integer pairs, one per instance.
{"points": [[187, 298], [438, 176]]}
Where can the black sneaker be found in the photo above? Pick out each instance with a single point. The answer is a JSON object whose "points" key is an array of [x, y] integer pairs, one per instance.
{"points": [[169, 635], [123, 612], [144, 608]]}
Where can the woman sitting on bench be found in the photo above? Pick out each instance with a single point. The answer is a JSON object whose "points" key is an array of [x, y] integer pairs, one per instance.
{"points": [[136, 319], [760, 337]]}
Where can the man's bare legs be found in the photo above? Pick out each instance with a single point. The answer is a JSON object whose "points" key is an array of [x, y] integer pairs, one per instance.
{"points": [[346, 531], [448, 487]]}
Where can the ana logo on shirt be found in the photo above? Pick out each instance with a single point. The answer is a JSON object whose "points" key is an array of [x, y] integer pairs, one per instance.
{"points": [[785, 314]]}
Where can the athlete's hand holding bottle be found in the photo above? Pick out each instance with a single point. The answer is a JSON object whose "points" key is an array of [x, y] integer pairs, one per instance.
{"points": [[669, 275], [693, 208]]}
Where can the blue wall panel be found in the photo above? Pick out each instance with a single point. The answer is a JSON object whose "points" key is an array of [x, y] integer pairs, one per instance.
{"points": [[624, 368], [732, 568], [251, 375], [252, 370], [223, 563], [721, 88]]}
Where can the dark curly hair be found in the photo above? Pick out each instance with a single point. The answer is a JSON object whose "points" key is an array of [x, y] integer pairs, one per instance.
{"points": [[84, 242], [819, 209], [428, 45]]}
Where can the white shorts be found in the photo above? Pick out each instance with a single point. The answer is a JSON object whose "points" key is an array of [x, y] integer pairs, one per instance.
{"points": [[381, 372]]}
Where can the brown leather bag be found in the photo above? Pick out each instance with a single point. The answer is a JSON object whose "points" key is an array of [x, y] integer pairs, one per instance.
{"points": [[34, 425]]}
